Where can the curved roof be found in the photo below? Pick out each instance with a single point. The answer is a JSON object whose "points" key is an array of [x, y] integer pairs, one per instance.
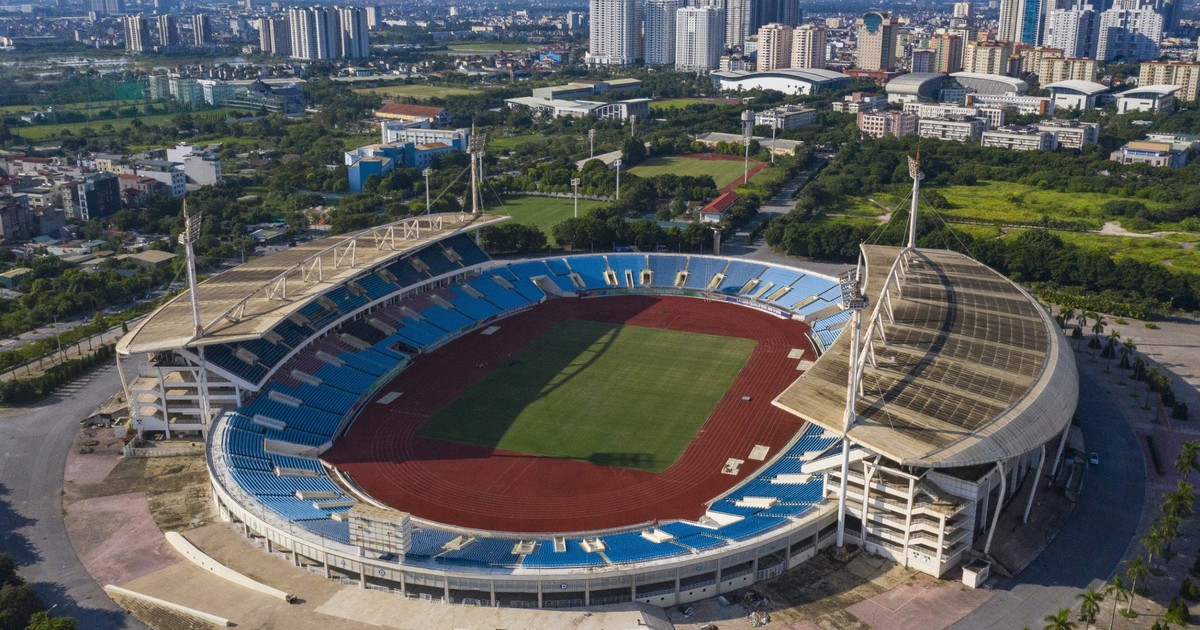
{"points": [[990, 83], [1089, 88], [913, 82], [1160, 89], [245, 302], [808, 75], [969, 370]]}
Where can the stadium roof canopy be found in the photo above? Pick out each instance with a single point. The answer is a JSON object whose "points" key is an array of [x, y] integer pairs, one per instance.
{"points": [[1150, 91], [925, 85], [973, 369], [990, 83], [245, 302], [787, 80], [1087, 88]]}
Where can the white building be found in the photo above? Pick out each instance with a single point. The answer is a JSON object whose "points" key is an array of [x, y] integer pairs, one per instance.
{"points": [[809, 47], [793, 81], [993, 116], [1075, 31], [395, 131], [137, 33], [1157, 154], [1073, 94], [1039, 105], [959, 129], [1129, 34], [859, 102], [1071, 134], [878, 124], [786, 117], [699, 35], [614, 32], [1019, 138], [1150, 98], [775, 46], [355, 33], [660, 31], [737, 21]]}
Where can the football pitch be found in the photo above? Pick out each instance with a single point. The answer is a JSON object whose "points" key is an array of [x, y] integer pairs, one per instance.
{"points": [[606, 393]]}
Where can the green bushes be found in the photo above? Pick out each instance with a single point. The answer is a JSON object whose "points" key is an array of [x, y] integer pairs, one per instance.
{"points": [[17, 392], [1177, 612]]}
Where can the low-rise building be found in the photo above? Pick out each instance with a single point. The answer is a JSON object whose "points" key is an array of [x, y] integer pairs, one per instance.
{"points": [[1037, 105], [163, 171], [1075, 94], [786, 117], [381, 159], [96, 197], [878, 124], [12, 278], [15, 219], [392, 131], [614, 110], [1019, 138], [1071, 134], [1150, 98], [417, 115], [860, 102], [1157, 154], [955, 128], [994, 115]]}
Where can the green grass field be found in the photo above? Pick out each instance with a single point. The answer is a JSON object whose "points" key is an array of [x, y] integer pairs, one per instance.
{"points": [[541, 212], [723, 172], [45, 132], [679, 103], [605, 393], [500, 143], [419, 91]]}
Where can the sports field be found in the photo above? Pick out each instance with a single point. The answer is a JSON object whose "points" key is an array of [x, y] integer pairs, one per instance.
{"points": [[607, 393], [542, 212], [723, 172], [418, 91]]}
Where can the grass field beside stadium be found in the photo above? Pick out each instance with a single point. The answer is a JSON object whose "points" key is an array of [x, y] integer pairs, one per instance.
{"points": [[723, 172], [542, 212], [609, 394], [418, 91]]}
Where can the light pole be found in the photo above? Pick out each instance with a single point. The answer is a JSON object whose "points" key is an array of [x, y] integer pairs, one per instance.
{"points": [[575, 185], [748, 130], [427, 172], [774, 125], [591, 143], [618, 164]]}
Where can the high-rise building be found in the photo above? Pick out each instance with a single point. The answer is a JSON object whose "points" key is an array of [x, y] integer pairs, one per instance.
{"points": [[274, 36], [613, 32], [660, 31], [988, 57], [1053, 70], [1023, 20], [962, 10], [302, 26], [947, 53], [921, 60], [1185, 74], [375, 17], [1032, 56], [1129, 34], [878, 34], [699, 38], [1076, 31], [317, 34], [168, 35], [201, 30], [738, 20], [137, 33], [329, 33], [355, 38], [786, 12], [774, 47], [809, 48]]}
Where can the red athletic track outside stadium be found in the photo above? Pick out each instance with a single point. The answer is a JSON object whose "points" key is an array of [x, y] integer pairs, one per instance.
{"points": [[480, 487]]}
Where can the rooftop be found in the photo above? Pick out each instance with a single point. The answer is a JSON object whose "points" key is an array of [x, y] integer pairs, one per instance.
{"points": [[810, 75], [1159, 90], [248, 300], [974, 370], [1090, 88], [408, 110]]}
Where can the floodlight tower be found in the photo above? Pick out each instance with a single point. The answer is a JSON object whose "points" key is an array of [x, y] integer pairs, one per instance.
{"points": [[575, 185], [427, 172], [618, 165], [854, 301], [191, 232], [748, 133], [591, 143], [914, 171], [475, 147]]}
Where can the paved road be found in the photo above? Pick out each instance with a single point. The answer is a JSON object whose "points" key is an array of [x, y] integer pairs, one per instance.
{"points": [[33, 453], [1089, 548]]}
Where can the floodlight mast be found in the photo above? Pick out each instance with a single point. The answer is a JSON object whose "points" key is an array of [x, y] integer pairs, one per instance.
{"points": [[914, 171], [191, 232], [854, 301], [475, 146]]}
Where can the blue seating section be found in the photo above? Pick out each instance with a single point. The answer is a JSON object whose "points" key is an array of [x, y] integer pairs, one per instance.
{"points": [[503, 299], [632, 547], [495, 552], [558, 267], [737, 274], [574, 556], [622, 263], [665, 269], [446, 319], [591, 271], [426, 543], [465, 247], [702, 270]]}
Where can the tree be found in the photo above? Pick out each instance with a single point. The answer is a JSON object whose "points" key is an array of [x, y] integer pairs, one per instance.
{"points": [[1135, 570], [1117, 589], [1152, 378], [1128, 347], [1186, 462], [1098, 324], [633, 152], [1089, 606], [1153, 542], [1065, 316], [1177, 612], [18, 603], [1059, 621], [1110, 348], [43, 621]]}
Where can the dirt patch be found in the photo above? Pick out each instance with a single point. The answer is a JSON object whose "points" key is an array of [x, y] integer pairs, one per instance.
{"points": [[116, 538], [822, 590], [180, 497]]}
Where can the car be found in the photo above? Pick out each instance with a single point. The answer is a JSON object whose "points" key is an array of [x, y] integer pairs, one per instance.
{"points": [[1094, 459]]}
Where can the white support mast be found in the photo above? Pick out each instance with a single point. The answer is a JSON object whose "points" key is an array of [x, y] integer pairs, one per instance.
{"points": [[191, 232], [854, 301], [475, 146], [914, 171]]}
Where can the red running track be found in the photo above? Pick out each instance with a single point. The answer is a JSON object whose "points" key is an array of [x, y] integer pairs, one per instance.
{"points": [[480, 487]]}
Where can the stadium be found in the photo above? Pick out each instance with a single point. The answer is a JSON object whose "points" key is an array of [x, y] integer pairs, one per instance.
{"points": [[395, 408]]}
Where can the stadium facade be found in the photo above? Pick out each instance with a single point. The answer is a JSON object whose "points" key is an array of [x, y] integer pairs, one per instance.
{"points": [[966, 389]]}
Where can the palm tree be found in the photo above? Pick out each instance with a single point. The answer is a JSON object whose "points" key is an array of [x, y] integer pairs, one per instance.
{"points": [[1169, 529], [1117, 590], [1064, 316], [1128, 347], [1186, 462], [1060, 620], [1089, 607], [1153, 542], [1135, 570], [1098, 324], [1110, 348], [1152, 378], [1081, 321]]}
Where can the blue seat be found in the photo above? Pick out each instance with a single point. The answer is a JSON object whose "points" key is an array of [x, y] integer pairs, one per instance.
{"points": [[428, 542], [737, 274], [631, 263], [558, 266], [504, 299], [472, 307], [701, 271], [465, 247], [329, 528], [436, 260], [496, 552], [591, 271], [574, 556], [750, 527], [666, 267], [446, 319], [631, 547]]}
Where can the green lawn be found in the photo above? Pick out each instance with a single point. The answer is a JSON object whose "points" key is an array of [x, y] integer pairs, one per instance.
{"points": [[680, 103], [605, 393], [541, 212], [723, 172], [45, 132], [419, 91], [500, 143], [1017, 203]]}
